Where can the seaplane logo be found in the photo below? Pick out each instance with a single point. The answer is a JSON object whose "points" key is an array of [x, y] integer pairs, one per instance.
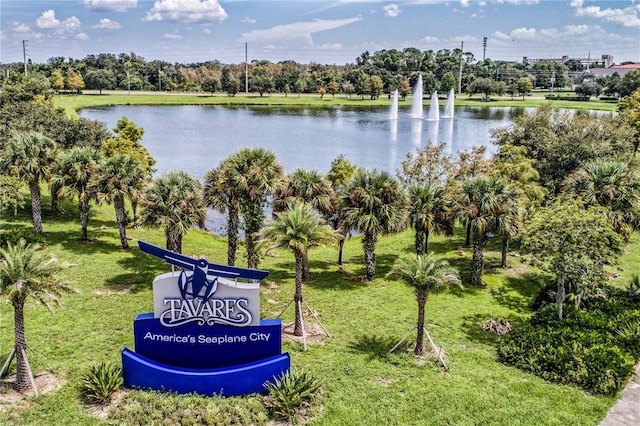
{"points": [[198, 282]]}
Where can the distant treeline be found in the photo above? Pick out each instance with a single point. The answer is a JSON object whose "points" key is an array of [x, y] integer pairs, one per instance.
{"points": [[370, 74]]}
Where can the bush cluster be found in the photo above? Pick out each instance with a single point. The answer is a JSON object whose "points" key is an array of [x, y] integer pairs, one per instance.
{"points": [[14, 235], [101, 381], [594, 347]]}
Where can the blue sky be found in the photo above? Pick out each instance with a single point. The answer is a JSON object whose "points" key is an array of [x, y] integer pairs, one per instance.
{"points": [[328, 32]]}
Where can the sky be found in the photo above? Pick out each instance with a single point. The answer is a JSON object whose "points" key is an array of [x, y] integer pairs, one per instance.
{"points": [[326, 32]]}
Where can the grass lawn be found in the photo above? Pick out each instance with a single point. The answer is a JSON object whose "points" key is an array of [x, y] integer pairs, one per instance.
{"points": [[362, 383], [72, 103]]}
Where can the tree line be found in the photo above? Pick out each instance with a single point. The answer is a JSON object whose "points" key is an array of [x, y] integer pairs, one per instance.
{"points": [[371, 74]]}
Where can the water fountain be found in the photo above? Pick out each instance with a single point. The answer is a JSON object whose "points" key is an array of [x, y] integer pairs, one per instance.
{"points": [[416, 106], [448, 108], [434, 108], [393, 113]]}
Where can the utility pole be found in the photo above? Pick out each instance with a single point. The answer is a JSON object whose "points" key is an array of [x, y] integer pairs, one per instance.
{"points": [[24, 54], [159, 81], [246, 70], [460, 73], [484, 47]]}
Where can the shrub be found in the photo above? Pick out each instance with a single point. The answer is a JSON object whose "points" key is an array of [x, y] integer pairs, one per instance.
{"points": [[101, 382], [290, 393], [14, 235]]}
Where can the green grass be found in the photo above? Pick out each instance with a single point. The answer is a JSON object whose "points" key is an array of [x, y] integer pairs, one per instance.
{"points": [[72, 103], [362, 383]]}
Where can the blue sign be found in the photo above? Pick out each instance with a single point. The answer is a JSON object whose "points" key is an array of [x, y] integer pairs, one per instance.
{"points": [[205, 334]]}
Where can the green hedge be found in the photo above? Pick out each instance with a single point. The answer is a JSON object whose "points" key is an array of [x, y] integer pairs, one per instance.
{"points": [[594, 348]]}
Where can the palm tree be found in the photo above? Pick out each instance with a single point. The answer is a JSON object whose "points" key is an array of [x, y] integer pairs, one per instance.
{"points": [[479, 202], [258, 175], [612, 185], [507, 221], [297, 229], [340, 173], [428, 212], [174, 202], [120, 174], [30, 157], [373, 203], [425, 274], [222, 194], [27, 272], [75, 175], [311, 188]]}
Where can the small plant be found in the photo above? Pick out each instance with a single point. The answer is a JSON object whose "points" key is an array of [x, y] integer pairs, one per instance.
{"points": [[290, 393], [634, 286], [101, 382]]}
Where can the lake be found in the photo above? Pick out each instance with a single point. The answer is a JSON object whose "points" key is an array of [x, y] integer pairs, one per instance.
{"points": [[196, 138]]}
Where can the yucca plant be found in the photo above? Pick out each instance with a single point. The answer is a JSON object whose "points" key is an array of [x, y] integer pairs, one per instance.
{"points": [[101, 382], [290, 393]]}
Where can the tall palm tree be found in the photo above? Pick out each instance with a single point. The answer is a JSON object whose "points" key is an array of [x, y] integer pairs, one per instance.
{"points": [[425, 274], [373, 203], [479, 201], [428, 213], [612, 185], [308, 187], [174, 202], [508, 220], [76, 175], [120, 174], [340, 173], [258, 175], [27, 272], [222, 194], [30, 157], [297, 229]]}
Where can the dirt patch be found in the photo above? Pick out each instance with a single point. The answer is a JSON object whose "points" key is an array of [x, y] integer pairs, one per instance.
{"points": [[315, 335], [10, 398], [120, 289], [103, 410]]}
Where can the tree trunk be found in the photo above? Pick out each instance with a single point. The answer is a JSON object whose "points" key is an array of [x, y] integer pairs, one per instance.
{"points": [[369, 245], [174, 240], [421, 297], [306, 273], [253, 221], [55, 199], [36, 206], [134, 211], [505, 249], [340, 249], [83, 206], [426, 241], [560, 295], [297, 330], [419, 241], [477, 261], [233, 224], [22, 374], [467, 240], [121, 219]]}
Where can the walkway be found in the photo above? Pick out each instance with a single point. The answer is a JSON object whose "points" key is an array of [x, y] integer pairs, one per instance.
{"points": [[626, 412]]}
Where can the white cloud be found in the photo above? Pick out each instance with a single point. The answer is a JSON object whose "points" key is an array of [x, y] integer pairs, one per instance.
{"points": [[107, 24], [69, 28], [111, 5], [627, 17], [187, 11], [171, 36], [295, 32], [524, 33], [248, 20], [517, 2], [464, 3], [206, 31], [392, 10], [430, 39], [19, 27]]}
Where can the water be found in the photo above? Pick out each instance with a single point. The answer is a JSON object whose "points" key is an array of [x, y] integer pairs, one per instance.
{"points": [[434, 108], [449, 106], [196, 139], [393, 112]]}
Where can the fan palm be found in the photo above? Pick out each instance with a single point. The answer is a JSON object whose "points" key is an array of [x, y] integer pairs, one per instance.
{"points": [[30, 157], [425, 274], [612, 185], [308, 187], [428, 212], [119, 175], [174, 202], [27, 272], [373, 203], [222, 194], [257, 175], [480, 201], [75, 175], [340, 173], [297, 229]]}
